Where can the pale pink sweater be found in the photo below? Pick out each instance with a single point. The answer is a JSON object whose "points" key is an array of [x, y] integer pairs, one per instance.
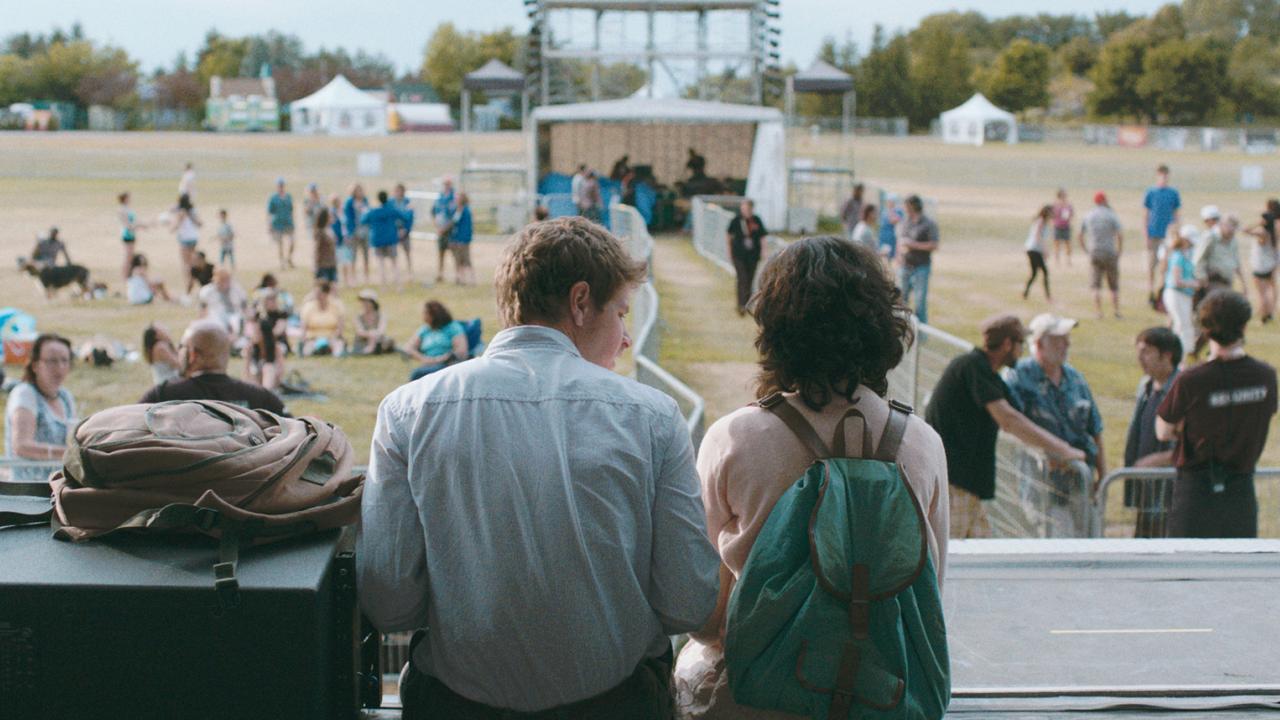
{"points": [[747, 460]]}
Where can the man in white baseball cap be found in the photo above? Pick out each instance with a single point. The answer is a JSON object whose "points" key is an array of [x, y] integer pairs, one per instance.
{"points": [[1056, 397]]}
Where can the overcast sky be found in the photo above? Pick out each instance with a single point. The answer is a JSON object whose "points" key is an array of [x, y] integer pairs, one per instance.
{"points": [[155, 33]]}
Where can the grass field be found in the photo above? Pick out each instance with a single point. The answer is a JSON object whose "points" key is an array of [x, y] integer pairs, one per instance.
{"points": [[985, 196]]}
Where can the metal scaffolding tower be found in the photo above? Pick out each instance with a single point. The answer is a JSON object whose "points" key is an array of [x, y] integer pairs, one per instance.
{"points": [[583, 50]]}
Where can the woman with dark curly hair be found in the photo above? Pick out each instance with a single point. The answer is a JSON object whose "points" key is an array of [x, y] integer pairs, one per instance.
{"points": [[831, 325]]}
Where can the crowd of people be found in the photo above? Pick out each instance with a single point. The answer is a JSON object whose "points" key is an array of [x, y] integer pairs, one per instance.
{"points": [[534, 493], [263, 326]]}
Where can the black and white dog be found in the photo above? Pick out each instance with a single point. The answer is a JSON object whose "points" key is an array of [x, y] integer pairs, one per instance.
{"points": [[55, 277]]}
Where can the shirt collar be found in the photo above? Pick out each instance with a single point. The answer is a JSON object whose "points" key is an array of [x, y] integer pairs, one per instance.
{"points": [[523, 337]]}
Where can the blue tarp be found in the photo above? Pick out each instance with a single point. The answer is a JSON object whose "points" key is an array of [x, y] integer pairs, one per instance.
{"points": [[556, 189]]}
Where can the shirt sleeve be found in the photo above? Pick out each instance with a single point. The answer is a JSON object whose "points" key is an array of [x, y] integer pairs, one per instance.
{"points": [[391, 556], [1177, 200], [1174, 406], [22, 397], [985, 388], [684, 569], [1146, 200]]}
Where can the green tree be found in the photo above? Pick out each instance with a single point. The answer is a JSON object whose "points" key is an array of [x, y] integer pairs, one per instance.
{"points": [[221, 56], [1115, 78], [110, 79], [884, 78], [1182, 80], [1225, 20], [1110, 23], [1019, 79], [60, 68], [1079, 55], [17, 79], [1253, 71], [940, 71], [451, 54]]}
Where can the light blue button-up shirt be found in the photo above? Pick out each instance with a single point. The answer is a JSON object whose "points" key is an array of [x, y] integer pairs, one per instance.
{"points": [[541, 516]]}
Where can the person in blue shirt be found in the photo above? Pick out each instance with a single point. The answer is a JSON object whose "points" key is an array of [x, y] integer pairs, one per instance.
{"points": [[346, 255], [889, 219], [460, 242], [1161, 205], [384, 224], [280, 223], [439, 343], [356, 235], [406, 227], [1055, 396], [443, 209]]}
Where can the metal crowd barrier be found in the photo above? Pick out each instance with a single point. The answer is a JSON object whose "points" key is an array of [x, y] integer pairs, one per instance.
{"points": [[1035, 497], [1145, 495], [630, 226], [26, 470]]}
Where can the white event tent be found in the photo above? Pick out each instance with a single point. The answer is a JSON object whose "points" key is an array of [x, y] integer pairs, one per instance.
{"points": [[967, 124], [657, 132], [339, 108]]}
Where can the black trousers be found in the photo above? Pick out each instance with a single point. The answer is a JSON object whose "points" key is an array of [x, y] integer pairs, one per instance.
{"points": [[645, 695], [745, 267], [1037, 266], [1202, 511]]}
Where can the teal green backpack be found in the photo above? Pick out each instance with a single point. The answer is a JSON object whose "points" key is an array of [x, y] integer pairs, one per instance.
{"points": [[837, 613]]}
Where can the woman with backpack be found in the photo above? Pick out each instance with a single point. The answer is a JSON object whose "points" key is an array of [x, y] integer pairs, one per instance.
{"points": [[830, 327]]}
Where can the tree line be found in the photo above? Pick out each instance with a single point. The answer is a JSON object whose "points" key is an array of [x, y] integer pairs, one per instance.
{"points": [[1194, 62]]}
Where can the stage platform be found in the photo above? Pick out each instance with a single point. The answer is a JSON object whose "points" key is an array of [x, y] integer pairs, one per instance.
{"points": [[1114, 628]]}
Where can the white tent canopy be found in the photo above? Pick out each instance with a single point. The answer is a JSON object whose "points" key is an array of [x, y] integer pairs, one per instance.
{"points": [[967, 124], [339, 108], [767, 176]]}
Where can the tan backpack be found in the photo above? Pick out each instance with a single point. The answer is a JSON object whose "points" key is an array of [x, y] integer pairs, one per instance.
{"points": [[202, 466]]}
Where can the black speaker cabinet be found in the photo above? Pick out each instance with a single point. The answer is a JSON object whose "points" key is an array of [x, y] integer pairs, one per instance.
{"points": [[132, 628]]}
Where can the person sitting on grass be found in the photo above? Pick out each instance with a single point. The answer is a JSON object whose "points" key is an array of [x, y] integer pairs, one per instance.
{"points": [[371, 327], [160, 352], [204, 353], [140, 288], [439, 343], [264, 363], [323, 322], [201, 272]]}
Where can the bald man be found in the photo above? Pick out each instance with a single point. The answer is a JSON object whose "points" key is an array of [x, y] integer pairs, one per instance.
{"points": [[203, 355]]}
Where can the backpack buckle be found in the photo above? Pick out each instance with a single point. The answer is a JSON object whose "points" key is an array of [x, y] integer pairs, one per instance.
{"points": [[226, 585], [206, 518], [770, 400], [901, 406]]}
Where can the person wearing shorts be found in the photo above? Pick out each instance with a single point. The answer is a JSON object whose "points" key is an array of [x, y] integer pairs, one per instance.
{"points": [[1062, 215], [1106, 244], [405, 207], [280, 223], [460, 232], [1160, 210], [383, 224]]}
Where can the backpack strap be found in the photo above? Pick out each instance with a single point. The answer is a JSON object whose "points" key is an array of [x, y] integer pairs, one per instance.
{"points": [[894, 428], [792, 418], [14, 518], [837, 442]]}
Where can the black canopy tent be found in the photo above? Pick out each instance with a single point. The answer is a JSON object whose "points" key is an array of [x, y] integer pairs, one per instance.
{"points": [[494, 78]]}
